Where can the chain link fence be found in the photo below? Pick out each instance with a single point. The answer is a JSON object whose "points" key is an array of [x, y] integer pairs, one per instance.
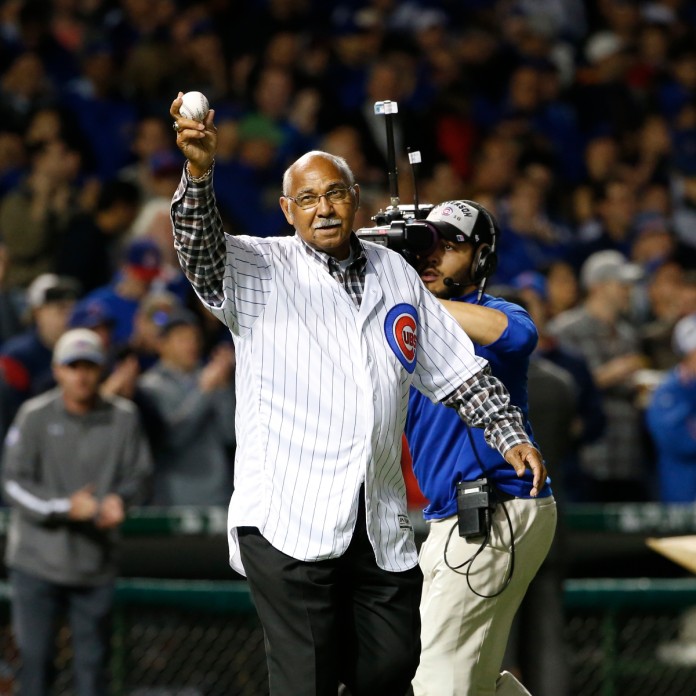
{"points": [[630, 654], [184, 653], [170, 638], [184, 638]]}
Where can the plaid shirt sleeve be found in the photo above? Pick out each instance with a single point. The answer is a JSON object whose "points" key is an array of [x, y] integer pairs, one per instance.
{"points": [[199, 238], [483, 402]]}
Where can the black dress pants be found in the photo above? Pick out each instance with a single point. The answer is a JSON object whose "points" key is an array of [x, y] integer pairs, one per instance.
{"points": [[342, 620]]}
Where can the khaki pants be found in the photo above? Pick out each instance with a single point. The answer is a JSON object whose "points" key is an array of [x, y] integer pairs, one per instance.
{"points": [[463, 636]]}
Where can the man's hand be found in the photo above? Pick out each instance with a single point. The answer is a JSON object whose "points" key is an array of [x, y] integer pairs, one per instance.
{"points": [[196, 139], [111, 512], [218, 372], [523, 457], [123, 378], [83, 504]]}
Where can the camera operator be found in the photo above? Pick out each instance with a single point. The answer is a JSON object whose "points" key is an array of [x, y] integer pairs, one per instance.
{"points": [[325, 331], [474, 584]]}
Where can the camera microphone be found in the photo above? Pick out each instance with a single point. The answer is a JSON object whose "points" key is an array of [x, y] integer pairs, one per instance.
{"points": [[451, 283]]}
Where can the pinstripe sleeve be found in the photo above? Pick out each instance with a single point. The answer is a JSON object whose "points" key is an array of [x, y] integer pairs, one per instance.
{"points": [[199, 238], [483, 402]]}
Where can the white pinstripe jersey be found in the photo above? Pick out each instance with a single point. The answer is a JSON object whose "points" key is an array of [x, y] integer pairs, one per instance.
{"points": [[322, 393]]}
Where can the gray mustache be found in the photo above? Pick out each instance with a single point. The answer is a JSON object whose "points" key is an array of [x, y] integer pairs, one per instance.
{"points": [[328, 222]]}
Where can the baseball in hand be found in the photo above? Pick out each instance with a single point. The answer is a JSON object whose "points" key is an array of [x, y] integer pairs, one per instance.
{"points": [[194, 105]]}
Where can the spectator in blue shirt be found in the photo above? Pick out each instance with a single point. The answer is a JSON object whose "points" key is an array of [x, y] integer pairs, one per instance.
{"points": [[671, 420]]}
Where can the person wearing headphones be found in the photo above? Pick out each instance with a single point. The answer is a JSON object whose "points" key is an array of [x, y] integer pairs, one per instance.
{"points": [[489, 530]]}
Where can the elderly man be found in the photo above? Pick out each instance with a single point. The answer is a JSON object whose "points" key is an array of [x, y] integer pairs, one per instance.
{"points": [[330, 333]]}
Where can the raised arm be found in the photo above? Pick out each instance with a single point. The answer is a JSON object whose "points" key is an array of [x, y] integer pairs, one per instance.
{"points": [[199, 237], [196, 139]]}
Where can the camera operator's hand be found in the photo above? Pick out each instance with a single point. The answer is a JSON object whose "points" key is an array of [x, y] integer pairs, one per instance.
{"points": [[196, 139], [523, 457]]}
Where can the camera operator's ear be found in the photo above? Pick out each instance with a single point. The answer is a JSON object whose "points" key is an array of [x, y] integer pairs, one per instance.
{"points": [[356, 193], [285, 207]]}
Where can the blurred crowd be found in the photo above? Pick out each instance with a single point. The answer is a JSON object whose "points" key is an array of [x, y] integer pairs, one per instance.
{"points": [[573, 122]]}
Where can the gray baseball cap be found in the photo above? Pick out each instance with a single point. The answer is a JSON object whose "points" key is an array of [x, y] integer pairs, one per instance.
{"points": [[49, 287], [79, 344], [608, 265], [684, 335]]}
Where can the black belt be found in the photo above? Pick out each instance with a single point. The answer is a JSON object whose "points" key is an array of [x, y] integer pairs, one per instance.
{"points": [[502, 497]]}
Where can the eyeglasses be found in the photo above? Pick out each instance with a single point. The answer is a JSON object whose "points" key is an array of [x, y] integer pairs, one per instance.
{"points": [[311, 200]]}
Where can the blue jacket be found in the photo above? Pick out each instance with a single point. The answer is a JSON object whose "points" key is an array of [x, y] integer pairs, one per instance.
{"points": [[445, 450], [671, 420]]}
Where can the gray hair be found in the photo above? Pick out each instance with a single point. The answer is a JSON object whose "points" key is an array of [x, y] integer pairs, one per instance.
{"points": [[339, 162]]}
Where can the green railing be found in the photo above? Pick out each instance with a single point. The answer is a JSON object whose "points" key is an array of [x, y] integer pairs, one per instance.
{"points": [[626, 636], [632, 518], [626, 518]]}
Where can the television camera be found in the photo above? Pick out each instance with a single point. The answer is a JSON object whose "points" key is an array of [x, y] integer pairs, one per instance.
{"points": [[402, 228]]}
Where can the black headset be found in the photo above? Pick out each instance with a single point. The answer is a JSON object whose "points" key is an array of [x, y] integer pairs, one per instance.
{"points": [[485, 236]]}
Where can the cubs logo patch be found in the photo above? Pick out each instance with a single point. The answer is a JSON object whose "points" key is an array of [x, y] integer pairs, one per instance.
{"points": [[400, 329]]}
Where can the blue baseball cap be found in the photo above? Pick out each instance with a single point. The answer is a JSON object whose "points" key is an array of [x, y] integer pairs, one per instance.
{"points": [[530, 280], [144, 259], [179, 316], [89, 314]]}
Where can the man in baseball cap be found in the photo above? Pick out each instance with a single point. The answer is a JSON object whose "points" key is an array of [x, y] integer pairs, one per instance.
{"points": [[608, 265], [463, 221], [144, 259], [73, 462], [25, 359], [615, 463], [141, 265], [464, 630], [50, 287], [79, 345], [474, 231]]}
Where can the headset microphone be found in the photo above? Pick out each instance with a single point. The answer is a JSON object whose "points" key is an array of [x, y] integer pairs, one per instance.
{"points": [[451, 283]]}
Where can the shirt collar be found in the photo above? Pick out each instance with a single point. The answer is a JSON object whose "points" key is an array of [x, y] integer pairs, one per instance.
{"points": [[99, 407], [328, 262]]}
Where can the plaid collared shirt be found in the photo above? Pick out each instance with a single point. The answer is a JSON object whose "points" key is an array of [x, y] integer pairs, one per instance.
{"points": [[353, 278]]}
